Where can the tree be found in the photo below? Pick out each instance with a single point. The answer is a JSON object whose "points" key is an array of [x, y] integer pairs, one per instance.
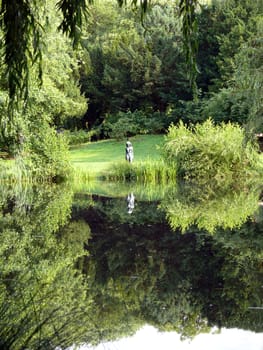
{"points": [[223, 27], [22, 34], [128, 67], [33, 131], [121, 70], [43, 300], [248, 76], [241, 98]]}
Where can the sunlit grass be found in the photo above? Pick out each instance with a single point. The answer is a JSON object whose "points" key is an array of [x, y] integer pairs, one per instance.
{"points": [[96, 158], [148, 171]]}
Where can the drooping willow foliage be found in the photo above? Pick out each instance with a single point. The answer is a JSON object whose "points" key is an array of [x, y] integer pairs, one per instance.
{"points": [[189, 29], [21, 36], [73, 12], [19, 22]]}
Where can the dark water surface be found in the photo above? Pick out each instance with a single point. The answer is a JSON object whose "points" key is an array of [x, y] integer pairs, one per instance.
{"points": [[96, 265]]}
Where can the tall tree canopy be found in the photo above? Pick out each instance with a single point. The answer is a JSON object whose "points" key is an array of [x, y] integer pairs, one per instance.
{"points": [[126, 67], [23, 33]]}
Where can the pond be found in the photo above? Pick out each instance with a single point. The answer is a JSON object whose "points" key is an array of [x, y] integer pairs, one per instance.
{"points": [[113, 266]]}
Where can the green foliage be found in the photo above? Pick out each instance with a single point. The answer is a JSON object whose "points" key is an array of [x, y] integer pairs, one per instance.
{"points": [[211, 152], [148, 171], [22, 41], [125, 124], [30, 137], [229, 62], [189, 28], [126, 68], [248, 76], [45, 154], [136, 270], [23, 37], [237, 22], [59, 97], [121, 128], [209, 208], [241, 102], [77, 137], [209, 28], [189, 112], [187, 283], [43, 301], [228, 105], [7, 172]]}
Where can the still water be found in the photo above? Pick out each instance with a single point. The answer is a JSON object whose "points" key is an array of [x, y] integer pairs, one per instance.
{"points": [[130, 267]]}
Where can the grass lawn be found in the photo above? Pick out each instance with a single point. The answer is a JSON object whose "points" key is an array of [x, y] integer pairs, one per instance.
{"points": [[97, 157]]}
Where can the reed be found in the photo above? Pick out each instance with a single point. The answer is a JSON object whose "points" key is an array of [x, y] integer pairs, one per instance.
{"points": [[20, 171], [79, 175], [209, 152], [148, 171], [11, 171]]}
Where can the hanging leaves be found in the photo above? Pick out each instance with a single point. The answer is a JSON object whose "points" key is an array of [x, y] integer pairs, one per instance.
{"points": [[73, 12], [187, 10], [21, 36]]}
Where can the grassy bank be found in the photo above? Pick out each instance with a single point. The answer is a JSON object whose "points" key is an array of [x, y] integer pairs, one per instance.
{"points": [[96, 158], [147, 171]]}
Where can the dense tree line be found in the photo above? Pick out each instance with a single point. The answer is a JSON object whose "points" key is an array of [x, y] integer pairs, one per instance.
{"points": [[127, 75], [133, 68]]}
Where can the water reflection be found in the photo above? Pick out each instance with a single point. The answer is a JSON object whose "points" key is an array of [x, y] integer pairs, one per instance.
{"points": [[187, 283], [209, 208], [75, 268], [149, 338], [42, 299], [130, 202]]}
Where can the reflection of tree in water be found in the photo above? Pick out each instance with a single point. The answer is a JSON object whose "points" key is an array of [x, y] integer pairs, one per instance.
{"points": [[42, 297], [137, 271], [209, 208], [186, 283], [114, 211]]}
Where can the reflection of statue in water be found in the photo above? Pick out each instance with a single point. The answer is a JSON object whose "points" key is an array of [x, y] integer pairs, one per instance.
{"points": [[129, 152], [130, 202]]}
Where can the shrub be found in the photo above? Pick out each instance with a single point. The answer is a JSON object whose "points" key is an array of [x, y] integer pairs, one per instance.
{"points": [[149, 171], [208, 208], [227, 105], [124, 124], [190, 112], [210, 152], [78, 137], [45, 154]]}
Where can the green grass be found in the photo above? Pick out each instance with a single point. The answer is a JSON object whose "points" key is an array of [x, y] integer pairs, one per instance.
{"points": [[147, 171], [97, 157]]}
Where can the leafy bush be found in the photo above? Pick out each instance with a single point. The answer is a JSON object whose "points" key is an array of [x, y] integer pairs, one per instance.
{"points": [[78, 137], [186, 111], [45, 154], [227, 105], [129, 123], [209, 208], [210, 152], [120, 129]]}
